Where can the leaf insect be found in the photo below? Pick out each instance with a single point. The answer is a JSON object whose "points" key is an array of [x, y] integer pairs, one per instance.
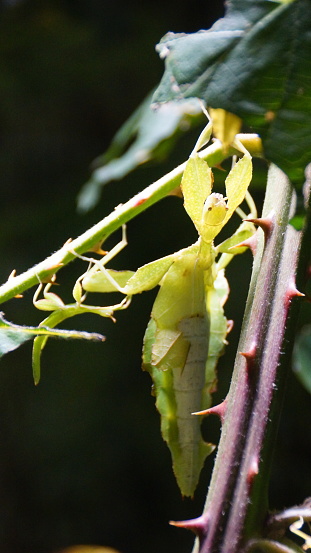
{"points": [[187, 330]]}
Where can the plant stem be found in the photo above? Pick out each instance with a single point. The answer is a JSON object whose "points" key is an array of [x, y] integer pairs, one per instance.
{"points": [[241, 469], [43, 271]]}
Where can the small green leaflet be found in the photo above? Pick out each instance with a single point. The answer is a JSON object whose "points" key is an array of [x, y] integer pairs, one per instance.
{"points": [[12, 336]]}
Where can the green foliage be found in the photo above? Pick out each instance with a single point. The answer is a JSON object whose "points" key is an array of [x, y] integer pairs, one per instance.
{"points": [[12, 336], [256, 63], [302, 357]]}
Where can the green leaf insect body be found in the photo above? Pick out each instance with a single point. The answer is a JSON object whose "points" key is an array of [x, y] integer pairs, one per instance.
{"points": [[187, 330], [178, 342]]}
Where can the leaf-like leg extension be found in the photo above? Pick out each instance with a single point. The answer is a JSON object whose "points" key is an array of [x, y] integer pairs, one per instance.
{"points": [[110, 278], [61, 312], [51, 301], [145, 278]]}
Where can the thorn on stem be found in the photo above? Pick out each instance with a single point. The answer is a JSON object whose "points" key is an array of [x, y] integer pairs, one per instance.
{"points": [[251, 353], [219, 410], [250, 356], [265, 223], [197, 525], [250, 243], [12, 274], [292, 291], [52, 268], [98, 249]]}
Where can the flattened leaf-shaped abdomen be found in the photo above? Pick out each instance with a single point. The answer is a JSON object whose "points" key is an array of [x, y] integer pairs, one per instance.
{"points": [[187, 323], [179, 381], [189, 382]]}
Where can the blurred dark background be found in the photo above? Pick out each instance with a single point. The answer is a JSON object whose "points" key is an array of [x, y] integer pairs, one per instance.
{"points": [[82, 459]]}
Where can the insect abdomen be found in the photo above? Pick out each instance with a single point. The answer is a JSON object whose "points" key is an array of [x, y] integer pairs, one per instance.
{"points": [[179, 382]]}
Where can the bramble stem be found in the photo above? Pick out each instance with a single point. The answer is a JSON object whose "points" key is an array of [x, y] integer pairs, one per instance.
{"points": [[236, 504]]}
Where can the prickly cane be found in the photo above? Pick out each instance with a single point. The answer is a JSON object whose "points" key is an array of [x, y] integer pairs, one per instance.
{"points": [[236, 504]]}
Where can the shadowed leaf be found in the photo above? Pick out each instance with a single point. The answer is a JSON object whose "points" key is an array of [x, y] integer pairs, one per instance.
{"points": [[255, 62]]}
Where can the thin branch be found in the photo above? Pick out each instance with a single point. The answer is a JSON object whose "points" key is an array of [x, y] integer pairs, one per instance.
{"points": [[43, 271]]}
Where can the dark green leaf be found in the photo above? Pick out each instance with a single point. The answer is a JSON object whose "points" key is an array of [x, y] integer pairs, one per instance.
{"points": [[302, 357], [256, 63]]}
